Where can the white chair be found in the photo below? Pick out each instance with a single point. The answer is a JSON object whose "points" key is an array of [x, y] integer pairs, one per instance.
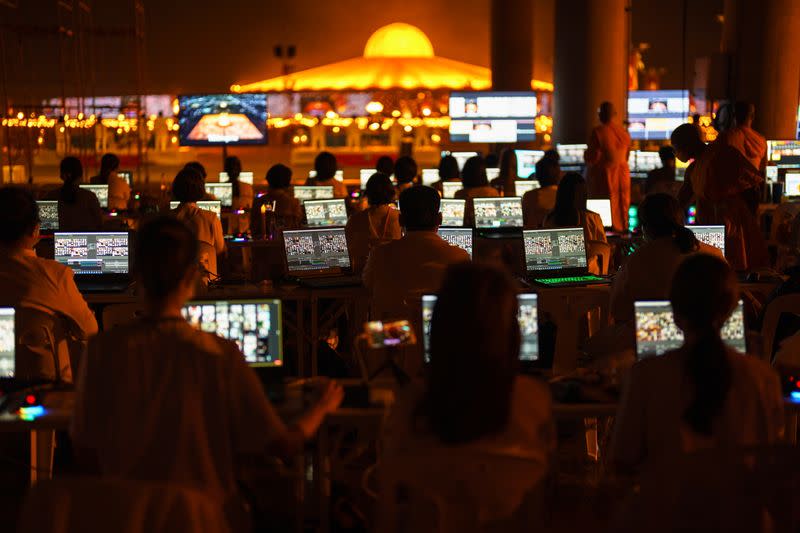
{"points": [[789, 303], [120, 315]]}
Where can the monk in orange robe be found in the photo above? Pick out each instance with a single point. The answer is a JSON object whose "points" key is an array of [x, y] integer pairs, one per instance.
{"points": [[744, 138], [725, 186], [607, 170]]}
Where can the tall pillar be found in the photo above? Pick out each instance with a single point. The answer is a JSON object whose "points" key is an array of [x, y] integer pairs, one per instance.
{"points": [[512, 44], [762, 39], [591, 64]]}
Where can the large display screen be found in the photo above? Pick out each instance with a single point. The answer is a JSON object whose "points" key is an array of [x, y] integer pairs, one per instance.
{"points": [[653, 115], [784, 154], [214, 119], [492, 117]]}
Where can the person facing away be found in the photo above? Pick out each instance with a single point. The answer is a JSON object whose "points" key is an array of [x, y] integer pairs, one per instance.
{"points": [[649, 271], [473, 402], [537, 203], [704, 395], [384, 165], [405, 172], [400, 269], [476, 185], [29, 282], [744, 138], [78, 209], [242, 192], [607, 170], [662, 179], [448, 171], [188, 188], [377, 224], [325, 166], [504, 182], [158, 400], [288, 212], [725, 188], [119, 192]]}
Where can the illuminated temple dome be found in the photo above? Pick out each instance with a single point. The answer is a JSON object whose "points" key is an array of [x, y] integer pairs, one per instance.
{"points": [[398, 40]]}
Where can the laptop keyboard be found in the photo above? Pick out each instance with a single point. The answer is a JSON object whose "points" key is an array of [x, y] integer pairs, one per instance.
{"points": [[569, 279]]}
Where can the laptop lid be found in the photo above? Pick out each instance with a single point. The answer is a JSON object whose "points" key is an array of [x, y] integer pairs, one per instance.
{"points": [[450, 188], [222, 192], [657, 333], [244, 177], [711, 235], [452, 211], [215, 206], [94, 254], [461, 237], [48, 215], [430, 176], [792, 184], [8, 342], [526, 162], [126, 175], [552, 253], [601, 206], [101, 191], [254, 325], [523, 186], [492, 173], [313, 192], [316, 251], [325, 212], [497, 212], [571, 154], [339, 176]]}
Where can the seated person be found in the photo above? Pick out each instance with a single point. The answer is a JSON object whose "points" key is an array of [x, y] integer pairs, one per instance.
{"points": [[384, 165], [448, 171], [159, 401], [288, 212], [78, 209], [476, 185], [473, 403], [199, 168], [119, 192], [504, 182], [378, 224], [662, 179], [242, 192], [395, 271], [537, 203], [703, 395], [188, 188], [405, 172], [326, 166], [27, 281]]}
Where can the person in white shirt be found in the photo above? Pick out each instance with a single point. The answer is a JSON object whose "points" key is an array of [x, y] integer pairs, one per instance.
{"points": [[160, 401], [476, 185], [378, 224], [325, 166], [27, 281], [119, 192], [399, 270]]}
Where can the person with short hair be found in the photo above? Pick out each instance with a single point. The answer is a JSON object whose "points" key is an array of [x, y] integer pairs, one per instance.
{"points": [[384, 165], [198, 167], [751, 144], [158, 400], [119, 192], [662, 180], [376, 225], [398, 269], [288, 212], [242, 192], [78, 209], [405, 172], [448, 171], [476, 185], [325, 165], [537, 203]]}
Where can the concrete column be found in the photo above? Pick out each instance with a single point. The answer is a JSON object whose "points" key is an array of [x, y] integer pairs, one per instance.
{"points": [[591, 64], [511, 44], [762, 38]]}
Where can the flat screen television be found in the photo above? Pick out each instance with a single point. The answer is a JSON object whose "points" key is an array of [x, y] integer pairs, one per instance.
{"points": [[492, 117], [653, 115], [217, 119]]}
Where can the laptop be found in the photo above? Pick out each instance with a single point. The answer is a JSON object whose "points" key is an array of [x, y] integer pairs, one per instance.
{"points": [[222, 192], [254, 325], [571, 156], [126, 175], [101, 191], [461, 237], [215, 206], [313, 192], [523, 186], [557, 258], [657, 333], [601, 206], [711, 235], [339, 176], [8, 343], [450, 188], [452, 211], [48, 215], [791, 190], [496, 213], [325, 212], [99, 260], [430, 176], [526, 162], [244, 177], [492, 173], [318, 257]]}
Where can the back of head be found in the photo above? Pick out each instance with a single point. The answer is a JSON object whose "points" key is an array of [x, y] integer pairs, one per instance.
{"points": [[279, 176], [474, 354], [661, 216], [666, 154], [188, 186], [744, 112], [325, 165], [685, 137], [419, 208], [380, 190], [552, 154], [474, 173], [166, 253], [448, 168], [385, 165], [606, 112], [508, 163], [491, 160], [405, 169], [19, 215], [704, 293], [108, 164], [570, 199], [548, 172], [197, 167], [233, 167], [71, 170]]}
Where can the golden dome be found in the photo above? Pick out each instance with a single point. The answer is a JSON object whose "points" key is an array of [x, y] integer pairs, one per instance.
{"points": [[398, 40]]}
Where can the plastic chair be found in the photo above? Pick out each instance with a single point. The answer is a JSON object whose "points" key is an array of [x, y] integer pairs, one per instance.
{"points": [[789, 303], [120, 315]]}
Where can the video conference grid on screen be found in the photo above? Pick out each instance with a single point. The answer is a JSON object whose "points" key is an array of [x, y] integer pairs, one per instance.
{"points": [[655, 114], [556, 249], [657, 333], [313, 192], [215, 206], [452, 212], [461, 237], [254, 325], [492, 117], [222, 192], [710, 235], [784, 154], [101, 191], [48, 215], [325, 212], [318, 249], [93, 253], [571, 154], [526, 162], [498, 212], [450, 188], [214, 119], [7, 342]]}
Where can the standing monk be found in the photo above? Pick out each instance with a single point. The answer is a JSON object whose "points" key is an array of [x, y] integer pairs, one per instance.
{"points": [[723, 182], [744, 138], [607, 165]]}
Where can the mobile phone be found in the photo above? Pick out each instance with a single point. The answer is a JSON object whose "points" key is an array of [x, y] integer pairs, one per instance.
{"points": [[397, 333]]}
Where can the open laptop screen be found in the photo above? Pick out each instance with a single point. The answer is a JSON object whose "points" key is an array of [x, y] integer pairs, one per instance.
{"points": [[222, 192], [325, 212], [450, 188], [254, 325], [48, 215], [430, 176], [93, 253], [313, 192], [461, 237], [316, 249], [101, 191], [711, 235], [215, 206], [792, 185], [523, 186], [339, 176], [603, 208], [498, 212], [8, 342], [553, 250], [452, 212], [526, 162]]}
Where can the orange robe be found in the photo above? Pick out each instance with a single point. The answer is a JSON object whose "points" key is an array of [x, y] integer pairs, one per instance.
{"points": [[725, 185], [749, 142], [607, 170]]}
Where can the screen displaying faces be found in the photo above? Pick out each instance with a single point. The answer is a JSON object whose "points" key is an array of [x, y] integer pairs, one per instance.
{"points": [[461, 237], [657, 333], [215, 206], [523, 186], [320, 249], [654, 114], [498, 212], [603, 208], [784, 154], [101, 191], [554, 249], [452, 212], [526, 162], [48, 215], [492, 117], [213, 119], [325, 212], [93, 253], [222, 192], [792, 187], [254, 325], [711, 235], [450, 188], [7, 342], [322, 192]]}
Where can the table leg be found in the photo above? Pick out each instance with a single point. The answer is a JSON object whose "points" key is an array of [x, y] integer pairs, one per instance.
{"points": [[42, 447], [301, 341], [323, 478], [314, 334]]}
